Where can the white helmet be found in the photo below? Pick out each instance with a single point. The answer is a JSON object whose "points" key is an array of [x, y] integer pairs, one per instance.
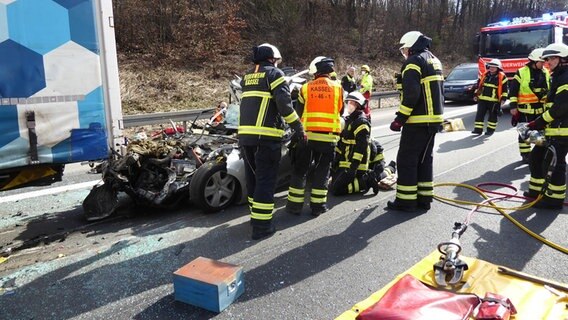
{"points": [[536, 55], [409, 39], [555, 50], [357, 97], [313, 69], [275, 52], [494, 63]]}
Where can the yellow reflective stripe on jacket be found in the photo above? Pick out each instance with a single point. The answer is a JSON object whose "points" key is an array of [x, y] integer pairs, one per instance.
{"points": [[333, 126], [357, 156], [291, 117], [405, 110], [262, 112], [556, 132], [513, 99], [412, 66], [262, 131], [258, 94], [562, 88], [348, 141], [547, 117], [321, 115], [360, 128], [323, 137], [528, 109], [425, 119], [277, 82], [435, 77], [486, 98]]}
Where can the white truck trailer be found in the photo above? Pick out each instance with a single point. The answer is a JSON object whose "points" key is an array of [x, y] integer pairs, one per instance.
{"points": [[59, 88]]}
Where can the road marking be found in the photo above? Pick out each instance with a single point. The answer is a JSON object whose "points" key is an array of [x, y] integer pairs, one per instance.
{"points": [[50, 191]]}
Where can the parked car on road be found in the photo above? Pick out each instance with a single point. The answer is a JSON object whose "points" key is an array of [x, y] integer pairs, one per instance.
{"points": [[461, 83]]}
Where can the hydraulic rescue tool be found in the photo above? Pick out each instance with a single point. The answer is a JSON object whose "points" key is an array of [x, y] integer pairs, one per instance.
{"points": [[450, 268]]}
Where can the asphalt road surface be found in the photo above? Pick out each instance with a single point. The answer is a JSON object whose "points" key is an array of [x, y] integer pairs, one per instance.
{"points": [[312, 268]]}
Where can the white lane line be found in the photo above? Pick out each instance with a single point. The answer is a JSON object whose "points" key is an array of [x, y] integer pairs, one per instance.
{"points": [[50, 191], [447, 115]]}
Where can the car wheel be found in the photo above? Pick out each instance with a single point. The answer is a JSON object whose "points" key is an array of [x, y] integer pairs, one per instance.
{"points": [[212, 188]]}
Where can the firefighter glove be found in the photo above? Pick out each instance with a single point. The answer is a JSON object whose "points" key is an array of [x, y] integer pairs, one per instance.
{"points": [[532, 125], [395, 125], [515, 118]]}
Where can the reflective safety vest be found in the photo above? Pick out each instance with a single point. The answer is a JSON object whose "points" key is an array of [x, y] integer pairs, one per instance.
{"points": [[323, 100], [366, 83], [490, 91], [260, 117], [529, 92]]}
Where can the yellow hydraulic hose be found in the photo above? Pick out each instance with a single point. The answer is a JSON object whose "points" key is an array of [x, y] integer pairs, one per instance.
{"points": [[501, 210]]}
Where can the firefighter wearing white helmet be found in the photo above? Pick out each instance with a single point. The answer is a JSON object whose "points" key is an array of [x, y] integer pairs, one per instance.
{"points": [[527, 95], [320, 104], [352, 174], [312, 68], [419, 116], [554, 122], [491, 94], [266, 103]]}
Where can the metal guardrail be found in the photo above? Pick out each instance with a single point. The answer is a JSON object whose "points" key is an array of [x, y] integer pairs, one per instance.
{"points": [[162, 117], [386, 94], [191, 115]]}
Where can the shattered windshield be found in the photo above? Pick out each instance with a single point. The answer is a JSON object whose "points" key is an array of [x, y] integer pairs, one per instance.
{"points": [[515, 42]]}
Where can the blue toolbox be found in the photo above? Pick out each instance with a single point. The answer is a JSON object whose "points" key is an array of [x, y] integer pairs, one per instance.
{"points": [[209, 284]]}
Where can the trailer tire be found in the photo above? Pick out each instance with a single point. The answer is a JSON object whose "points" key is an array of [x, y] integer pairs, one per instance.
{"points": [[212, 188]]}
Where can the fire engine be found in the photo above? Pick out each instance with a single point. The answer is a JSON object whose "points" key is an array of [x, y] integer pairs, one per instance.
{"points": [[511, 41]]}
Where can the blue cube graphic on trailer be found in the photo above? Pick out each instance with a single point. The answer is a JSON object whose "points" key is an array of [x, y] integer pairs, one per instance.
{"points": [[59, 99]]}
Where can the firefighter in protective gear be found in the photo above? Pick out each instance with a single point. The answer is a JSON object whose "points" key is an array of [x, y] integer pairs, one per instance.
{"points": [[366, 87], [265, 105], [554, 122], [420, 117], [353, 152], [348, 81], [491, 94], [320, 104], [527, 95]]}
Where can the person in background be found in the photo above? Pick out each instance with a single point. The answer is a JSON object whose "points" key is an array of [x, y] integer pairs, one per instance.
{"points": [[320, 104], [491, 94], [527, 94], [420, 117], [366, 87], [348, 81], [267, 101]]}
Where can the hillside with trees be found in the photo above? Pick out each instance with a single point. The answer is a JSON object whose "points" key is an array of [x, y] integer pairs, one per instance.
{"points": [[180, 54]]}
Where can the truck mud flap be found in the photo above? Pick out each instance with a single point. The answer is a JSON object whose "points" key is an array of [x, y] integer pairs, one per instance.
{"points": [[101, 202]]}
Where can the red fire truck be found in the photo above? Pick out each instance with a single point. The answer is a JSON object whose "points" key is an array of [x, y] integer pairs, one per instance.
{"points": [[511, 41]]}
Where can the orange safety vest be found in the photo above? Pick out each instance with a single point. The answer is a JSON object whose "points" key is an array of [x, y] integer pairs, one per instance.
{"points": [[323, 100], [501, 75]]}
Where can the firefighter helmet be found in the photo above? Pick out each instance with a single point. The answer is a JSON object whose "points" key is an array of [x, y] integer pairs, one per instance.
{"points": [[325, 66], [357, 97], [266, 51], [313, 69], [494, 63], [555, 50], [365, 68], [536, 55], [409, 39]]}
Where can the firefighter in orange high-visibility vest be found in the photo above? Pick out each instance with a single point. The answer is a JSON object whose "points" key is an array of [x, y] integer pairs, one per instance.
{"points": [[320, 104]]}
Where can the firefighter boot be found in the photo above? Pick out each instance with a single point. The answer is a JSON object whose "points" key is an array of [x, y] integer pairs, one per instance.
{"points": [[477, 131], [489, 132], [373, 182], [317, 210], [294, 208], [262, 232], [395, 205]]}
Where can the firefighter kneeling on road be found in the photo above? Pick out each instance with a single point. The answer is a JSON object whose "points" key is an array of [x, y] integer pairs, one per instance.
{"points": [[554, 122], [320, 104], [353, 151]]}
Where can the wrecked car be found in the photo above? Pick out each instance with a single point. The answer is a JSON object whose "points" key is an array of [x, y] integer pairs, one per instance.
{"points": [[204, 167]]}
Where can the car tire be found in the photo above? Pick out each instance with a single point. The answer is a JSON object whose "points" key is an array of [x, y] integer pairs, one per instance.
{"points": [[212, 188]]}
